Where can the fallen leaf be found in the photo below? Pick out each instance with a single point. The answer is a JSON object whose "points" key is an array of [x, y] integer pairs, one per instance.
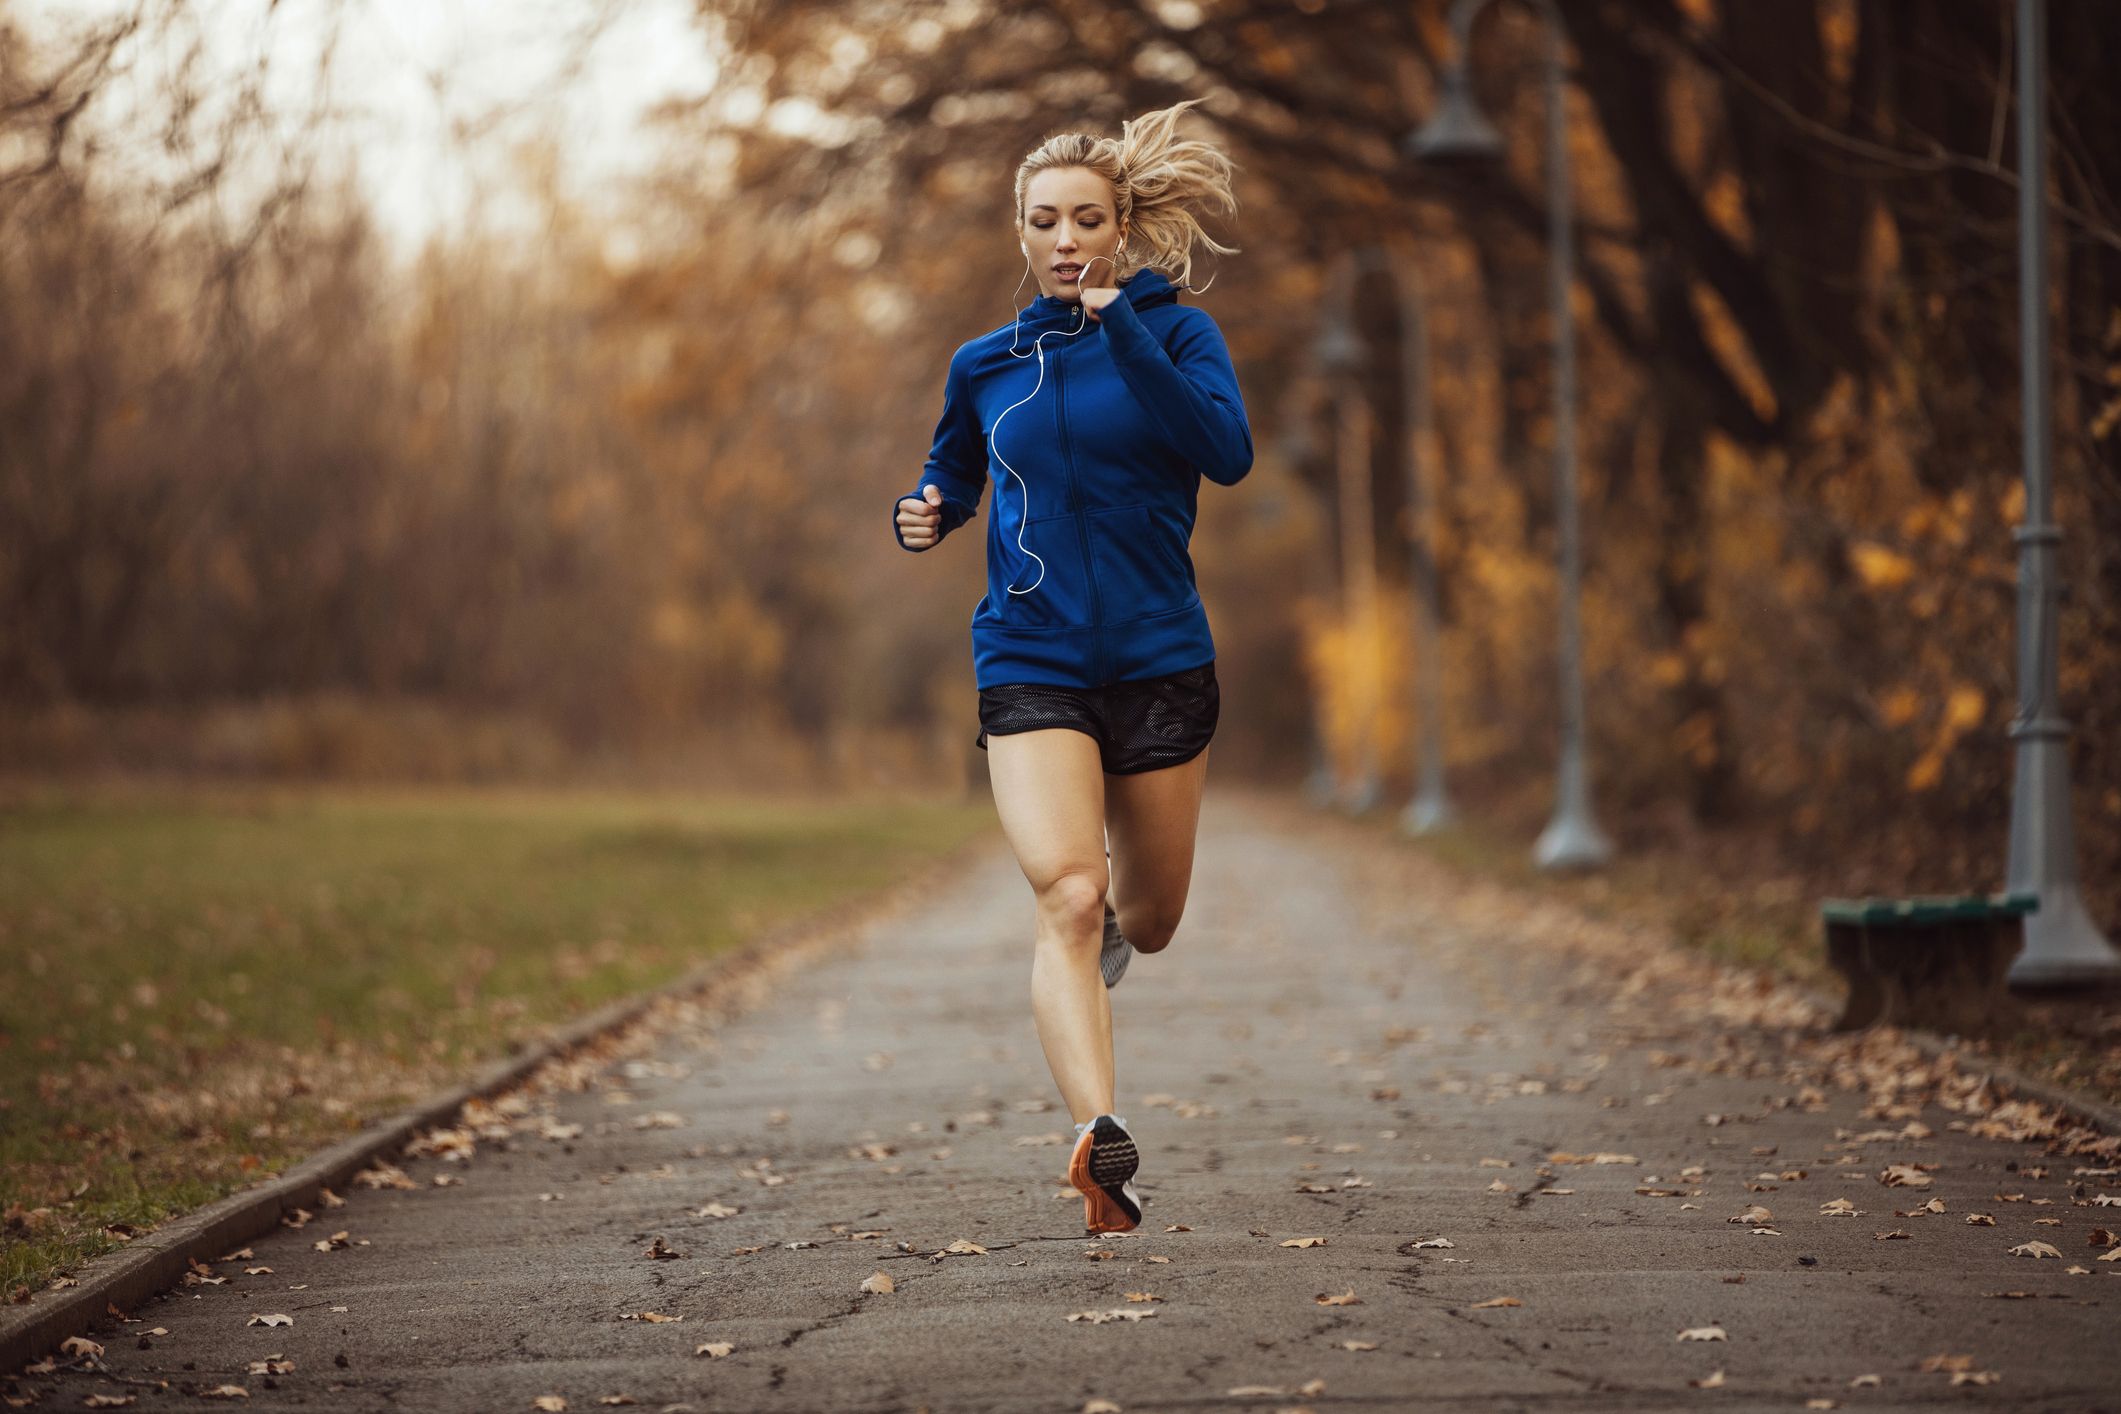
{"points": [[1346, 1298], [273, 1319], [1904, 1176], [654, 1318], [551, 1403], [1703, 1333], [1358, 1345], [80, 1347], [2035, 1249], [1934, 1363], [1120, 1313], [1837, 1208], [1494, 1302], [618, 1399], [225, 1392], [1979, 1220], [1305, 1242], [714, 1349], [1754, 1216], [1974, 1377], [107, 1401], [272, 1365], [1866, 1382], [1144, 1296], [1435, 1242], [1896, 1235], [879, 1284], [1712, 1380], [657, 1251]]}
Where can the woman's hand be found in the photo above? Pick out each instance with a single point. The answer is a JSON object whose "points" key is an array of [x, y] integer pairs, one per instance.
{"points": [[920, 518], [1097, 297]]}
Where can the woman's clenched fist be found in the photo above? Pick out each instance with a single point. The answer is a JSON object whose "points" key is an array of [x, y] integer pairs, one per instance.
{"points": [[920, 518]]}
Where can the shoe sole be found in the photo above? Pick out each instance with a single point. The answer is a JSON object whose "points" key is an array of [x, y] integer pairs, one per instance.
{"points": [[1102, 1170]]}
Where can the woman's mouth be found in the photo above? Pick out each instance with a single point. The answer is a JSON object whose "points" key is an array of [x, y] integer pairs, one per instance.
{"points": [[1066, 273]]}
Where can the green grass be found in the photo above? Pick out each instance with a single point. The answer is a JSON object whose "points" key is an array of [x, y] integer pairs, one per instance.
{"points": [[203, 986]]}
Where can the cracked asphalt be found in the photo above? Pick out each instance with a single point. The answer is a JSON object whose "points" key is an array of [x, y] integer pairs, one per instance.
{"points": [[1338, 1045]]}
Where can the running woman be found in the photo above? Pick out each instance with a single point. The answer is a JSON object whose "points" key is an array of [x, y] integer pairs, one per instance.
{"points": [[1095, 413]]}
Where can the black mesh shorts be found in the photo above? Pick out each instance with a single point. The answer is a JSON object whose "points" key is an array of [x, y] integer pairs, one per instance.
{"points": [[1138, 726]]}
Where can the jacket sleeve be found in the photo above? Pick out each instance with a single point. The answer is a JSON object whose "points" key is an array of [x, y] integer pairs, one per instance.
{"points": [[957, 463], [1191, 389]]}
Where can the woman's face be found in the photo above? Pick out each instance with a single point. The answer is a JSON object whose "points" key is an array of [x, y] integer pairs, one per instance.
{"points": [[1068, 221]]}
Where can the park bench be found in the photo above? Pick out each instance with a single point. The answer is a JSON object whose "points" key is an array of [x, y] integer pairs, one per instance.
{"points": [[1936, 962]]}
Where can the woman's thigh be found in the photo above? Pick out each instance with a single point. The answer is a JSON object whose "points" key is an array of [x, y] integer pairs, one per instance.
{"points": [[1153, 817], [1049, 789]]}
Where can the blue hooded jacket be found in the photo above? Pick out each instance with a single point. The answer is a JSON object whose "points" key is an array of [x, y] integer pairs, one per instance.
{"points": [[1096, 477]]}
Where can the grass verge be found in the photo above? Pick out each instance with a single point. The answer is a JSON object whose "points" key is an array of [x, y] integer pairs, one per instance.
{"points": [[207, 984]]}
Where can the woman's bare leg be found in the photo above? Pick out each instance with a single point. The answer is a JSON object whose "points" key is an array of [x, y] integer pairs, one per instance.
{"points": [[1153, 817], [1049, 789]]}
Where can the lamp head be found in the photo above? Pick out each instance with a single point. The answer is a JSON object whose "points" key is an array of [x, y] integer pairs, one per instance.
{"points": [[1458, 131]]}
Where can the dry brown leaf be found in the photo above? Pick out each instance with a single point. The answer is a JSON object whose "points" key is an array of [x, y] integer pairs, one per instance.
{"points": [[2036, 1249], [1143, 1296], [107, 1401], [79, 1346], [1703, 1333], [654, 1318], [713, 1349], [272, 1365], [1904, 1176], [1346, 1298], [1934, 1363], [1980, 1220], [274, 1318], [1305, 1242], [618, 1399], [658, 1251], [1495, 1301], [1358, 1345], [879, 1284], [551, 1403], [225, 1392], [1866, 1382], [1435, 1242], [1754, 1216], [1896, 1235], [1974, 1377], [1712, 1380]]}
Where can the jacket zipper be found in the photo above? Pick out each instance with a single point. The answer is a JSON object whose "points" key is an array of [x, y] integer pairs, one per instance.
{"points": [[1082, 524]]}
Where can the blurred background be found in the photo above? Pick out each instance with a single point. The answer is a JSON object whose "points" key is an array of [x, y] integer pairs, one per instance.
{"points": [[482, 391]]}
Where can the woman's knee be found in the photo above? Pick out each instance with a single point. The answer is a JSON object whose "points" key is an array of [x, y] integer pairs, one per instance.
{"points": [[1074, 902]]}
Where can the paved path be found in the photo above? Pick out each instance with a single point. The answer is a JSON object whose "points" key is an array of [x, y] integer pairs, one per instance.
{"points": [[1336, 1047]]}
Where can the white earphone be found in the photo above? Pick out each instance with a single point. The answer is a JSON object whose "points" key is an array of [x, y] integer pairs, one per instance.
{"points": [[1038, 347]]}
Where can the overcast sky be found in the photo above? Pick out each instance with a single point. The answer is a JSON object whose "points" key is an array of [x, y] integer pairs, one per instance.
{"points": [[409, 71]]}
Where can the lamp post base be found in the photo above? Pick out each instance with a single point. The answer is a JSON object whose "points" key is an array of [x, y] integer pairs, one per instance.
{"points": [[2063, 946], [1572, 841], [1426, 815]]}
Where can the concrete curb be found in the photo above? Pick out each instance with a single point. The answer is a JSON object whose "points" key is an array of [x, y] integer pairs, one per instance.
{"points": [[158, 1260]]}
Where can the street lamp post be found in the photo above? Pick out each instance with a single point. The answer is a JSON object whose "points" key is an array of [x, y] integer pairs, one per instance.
{"points": [[1430, 809], [1459, 131], [1340, 355], [2063, 944], [1297, 446]]}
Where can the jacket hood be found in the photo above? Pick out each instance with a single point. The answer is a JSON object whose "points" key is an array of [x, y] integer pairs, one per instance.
{"points": [[1144, 289]]}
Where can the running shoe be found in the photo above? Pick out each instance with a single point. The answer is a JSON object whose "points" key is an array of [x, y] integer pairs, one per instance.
{"points": [[1117, 952], [1102, 1168]]}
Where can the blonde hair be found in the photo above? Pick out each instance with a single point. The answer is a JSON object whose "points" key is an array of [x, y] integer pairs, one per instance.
{"points": [[1159, 181]]}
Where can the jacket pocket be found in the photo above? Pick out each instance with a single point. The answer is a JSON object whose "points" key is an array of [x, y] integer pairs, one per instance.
{"points": [[1139, 555], [1043, 585]]}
